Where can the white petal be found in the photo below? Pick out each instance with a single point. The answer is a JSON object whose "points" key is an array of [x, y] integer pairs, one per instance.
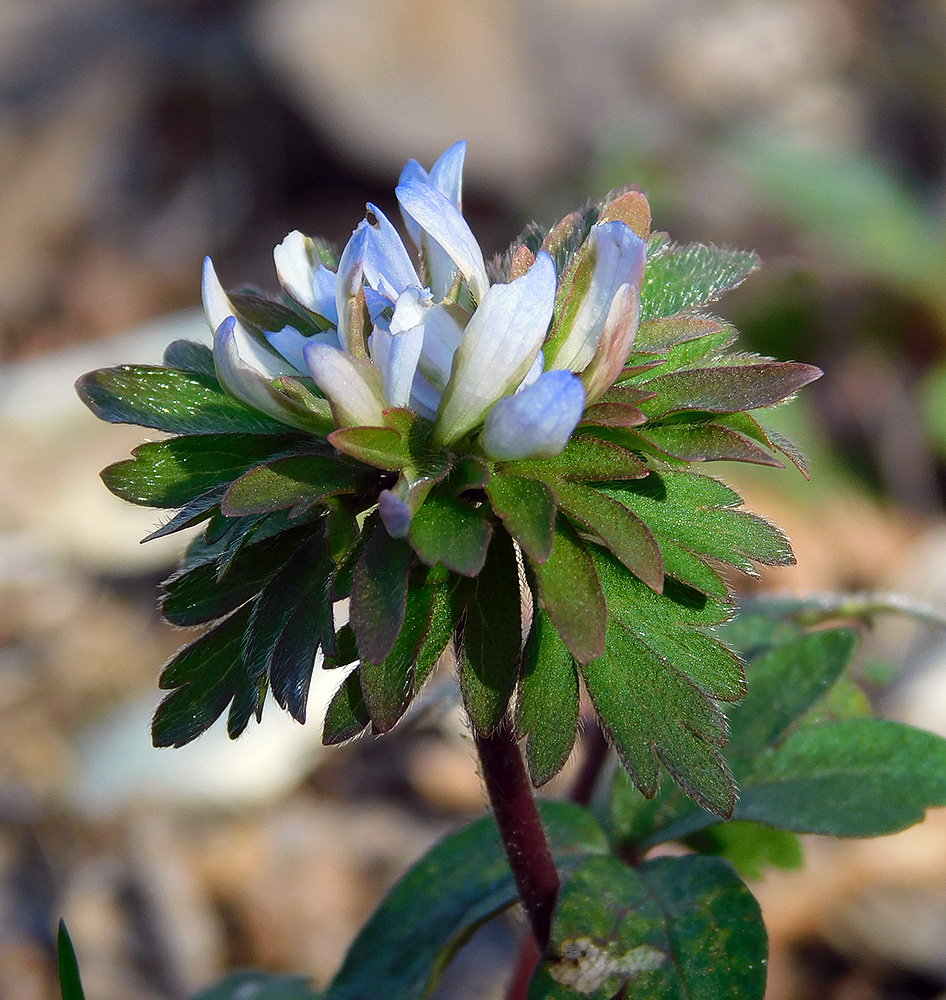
{"points": [[439, 219], [499, 345], [446, 175], [535, 370], [386, 256], [352, 385], [443, 331], [619, 259], [409, 310], [296, 263], [242, 374], [536, 422], [395, 355]]}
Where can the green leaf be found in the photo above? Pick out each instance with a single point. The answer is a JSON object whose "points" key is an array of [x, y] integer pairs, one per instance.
{"points": [[618, 529], [437, 905], [199, 509], [547, 712], [200, 594], [569, 590], [291, 620], [705, 441], [850, 778], [670, 929], [653, 686], [204, 677], [260, 986], [656, 335], [749, 847], [489, 665], [175, 472], [189, 356], [294, 483], [585, 459], [452, 532], [726, 388], [382, 447], [527, 509], [695, 518], [784, 683], [347, 715], [179, 402], [379, 593], [680, 277], [70, 983], [387, 687]]}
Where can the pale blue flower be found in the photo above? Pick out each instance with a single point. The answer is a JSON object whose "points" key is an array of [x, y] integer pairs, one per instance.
{"points": [[537, 421]]}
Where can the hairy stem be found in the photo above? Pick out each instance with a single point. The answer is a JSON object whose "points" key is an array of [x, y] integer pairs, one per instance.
{"points": [[521, 830]]}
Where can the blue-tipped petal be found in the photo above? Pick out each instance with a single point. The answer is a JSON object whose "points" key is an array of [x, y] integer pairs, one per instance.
{"points": [[499, 346], [446, 175], [386, 258], [395, 514], [619, 256], [351, 385], [412, 171], [291, 344], [438, 217], [323, 287], [536, 422]]}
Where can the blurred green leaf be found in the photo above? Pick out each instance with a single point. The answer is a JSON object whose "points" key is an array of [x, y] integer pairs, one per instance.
{"points": [[435, 907], [749, 847], [260, 986], [189, 356], [70, 982]]}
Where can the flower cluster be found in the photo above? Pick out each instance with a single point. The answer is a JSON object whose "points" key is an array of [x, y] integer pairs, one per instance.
{"points": [[448, 443], [482, 362]]}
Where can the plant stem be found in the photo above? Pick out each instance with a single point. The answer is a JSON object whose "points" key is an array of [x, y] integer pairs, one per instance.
{"points": [[521, 830]]}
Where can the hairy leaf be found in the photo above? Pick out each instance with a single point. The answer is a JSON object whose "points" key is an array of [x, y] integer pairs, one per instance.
{"points": [[489, 665], [450, 531], [175, 472], [670, 929], [527, 510], [680, 277], [379, 593], [569, 590], [347, 715], [179, 402], [548, 701], [203, 677], [295, 482]]}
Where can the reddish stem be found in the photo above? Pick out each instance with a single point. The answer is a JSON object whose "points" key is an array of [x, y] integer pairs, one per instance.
{"points": [[520, 827]]}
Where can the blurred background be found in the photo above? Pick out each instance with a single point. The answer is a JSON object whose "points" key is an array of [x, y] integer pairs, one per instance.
{"points": [[137, 136]]}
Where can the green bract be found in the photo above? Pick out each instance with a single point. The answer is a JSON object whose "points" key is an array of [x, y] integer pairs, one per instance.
{"points": [[590, 557]]}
